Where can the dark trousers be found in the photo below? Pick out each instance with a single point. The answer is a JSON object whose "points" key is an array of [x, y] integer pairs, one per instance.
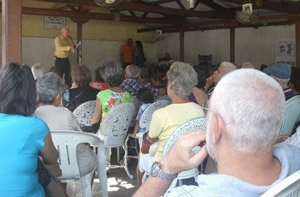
{"points": [[64, 65]]}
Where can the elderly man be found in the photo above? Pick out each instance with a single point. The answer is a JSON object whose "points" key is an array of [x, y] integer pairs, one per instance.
{"points": [[132, 84], [246, 111], [223, 69], [63, 46], [281, 72]]}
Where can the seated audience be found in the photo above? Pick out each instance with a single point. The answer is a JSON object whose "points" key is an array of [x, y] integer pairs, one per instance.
{"points": [[131, 83], [292, 112], [198, 96], [181, 80], [145, 77], [145, 96], [22, 136], [242, 125], [57, 71], [37, 70], [99, 83], [223, 69], [113, 75], [80, 91], [50, 89], [281, 72], [247, 65], [263, 66]]}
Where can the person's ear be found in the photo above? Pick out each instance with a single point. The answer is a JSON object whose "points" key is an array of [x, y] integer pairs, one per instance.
{"points": [[218, 127]]}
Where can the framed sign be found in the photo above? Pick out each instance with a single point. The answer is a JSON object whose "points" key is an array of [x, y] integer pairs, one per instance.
{"points": [[54, 22], [286, 48]]}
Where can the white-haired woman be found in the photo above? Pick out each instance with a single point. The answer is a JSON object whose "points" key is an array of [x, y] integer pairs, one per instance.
{"points": [[50, 89], [181, 80]]}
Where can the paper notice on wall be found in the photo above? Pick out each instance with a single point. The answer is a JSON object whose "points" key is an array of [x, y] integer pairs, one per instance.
{"points": [[54, 22], [285, 52]]}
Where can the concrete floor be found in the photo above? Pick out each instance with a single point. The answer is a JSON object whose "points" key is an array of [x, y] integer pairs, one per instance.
{"points": [[119, 184]]}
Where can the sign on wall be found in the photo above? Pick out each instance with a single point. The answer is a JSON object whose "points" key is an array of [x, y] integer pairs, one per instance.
{"points": [[54, 22], [285, 51]]}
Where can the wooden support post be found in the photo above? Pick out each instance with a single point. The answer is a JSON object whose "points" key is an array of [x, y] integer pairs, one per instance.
{"points": [[181, 45], [297, 27], [11, 31], [79, 39], [232, 44]]}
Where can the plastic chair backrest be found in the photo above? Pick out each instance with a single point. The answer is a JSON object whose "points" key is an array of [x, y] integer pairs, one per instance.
{"points": [[289, 187], [115, 125], [66, 143], [85, 112], [147, 115], [187, 127]]}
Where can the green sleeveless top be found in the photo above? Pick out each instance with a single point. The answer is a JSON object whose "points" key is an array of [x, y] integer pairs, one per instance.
{"points": [[109, 99]]}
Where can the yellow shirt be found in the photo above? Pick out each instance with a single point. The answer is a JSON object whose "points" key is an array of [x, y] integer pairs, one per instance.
{"points": [[166, 120], [63, 47]]}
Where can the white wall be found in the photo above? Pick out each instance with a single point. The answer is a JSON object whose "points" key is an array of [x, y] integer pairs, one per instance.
{"points": [[255, 45], [94, 52]]}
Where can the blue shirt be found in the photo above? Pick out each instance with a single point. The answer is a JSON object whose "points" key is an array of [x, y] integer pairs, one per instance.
{"points": [[225, 185], [288, 93], [21, 138], [292, 115], [143, 107]]}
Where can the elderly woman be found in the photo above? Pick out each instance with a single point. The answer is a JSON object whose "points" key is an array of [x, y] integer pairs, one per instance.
{"points": [[107, 99], [22, 136], [181, 80], [50, 89], [80, 91]]}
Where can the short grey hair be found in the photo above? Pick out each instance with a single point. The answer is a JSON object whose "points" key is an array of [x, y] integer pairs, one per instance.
{"points": [[132, 71], [48, 86], [228, 67], [247, 65], [281, 81], [113, 73], [65, 28], [183, 78], [252, 106], [37, 71]]}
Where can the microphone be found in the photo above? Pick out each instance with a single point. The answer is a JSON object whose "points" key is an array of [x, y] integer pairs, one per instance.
{"points": [[71, 39]]}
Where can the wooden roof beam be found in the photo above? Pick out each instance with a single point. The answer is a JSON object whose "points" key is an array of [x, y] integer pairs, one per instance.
{"points": [[72, 2], [161, 2], [144, 7], [180, 4], [227, 13], [270, 5], [95, 16], [289, 17]]}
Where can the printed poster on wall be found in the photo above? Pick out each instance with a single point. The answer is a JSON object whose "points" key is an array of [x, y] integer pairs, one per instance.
{"points": [[285, 52], [54, 22]]}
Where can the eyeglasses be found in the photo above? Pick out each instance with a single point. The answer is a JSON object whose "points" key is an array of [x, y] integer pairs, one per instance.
{"points": [[206, 109]]}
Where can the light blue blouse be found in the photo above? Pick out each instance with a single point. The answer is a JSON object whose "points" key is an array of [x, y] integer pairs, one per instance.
{"points": [[21, 138]]}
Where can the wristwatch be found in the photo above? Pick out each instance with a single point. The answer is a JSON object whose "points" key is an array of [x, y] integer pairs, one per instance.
{"points": [[156, 171]]}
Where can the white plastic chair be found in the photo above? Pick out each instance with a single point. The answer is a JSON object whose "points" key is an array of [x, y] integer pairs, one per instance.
{"points": [[145, 122], [114, 130], [187, 127], [66, 143], [289, 187], [85, 112]]}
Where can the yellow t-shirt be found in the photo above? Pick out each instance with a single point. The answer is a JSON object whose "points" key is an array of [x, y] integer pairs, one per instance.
{"points": [[63, 47], [166, 120]]}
